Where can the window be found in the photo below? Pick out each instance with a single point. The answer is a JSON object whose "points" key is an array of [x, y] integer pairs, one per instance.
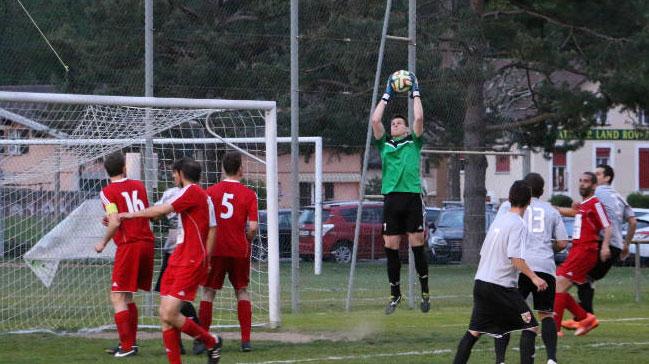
{"points": [[643, 119], [14, 149], [559, 172], [600, 118], [305, 194], [502, 164], [328, 191], [602, 156], [643, 168]]}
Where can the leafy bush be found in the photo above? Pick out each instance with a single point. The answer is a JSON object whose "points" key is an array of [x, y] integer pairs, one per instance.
{"points": [[638, 200], [561, 200]]}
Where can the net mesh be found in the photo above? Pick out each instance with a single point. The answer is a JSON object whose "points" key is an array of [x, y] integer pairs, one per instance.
{"points": [[50, 216]]}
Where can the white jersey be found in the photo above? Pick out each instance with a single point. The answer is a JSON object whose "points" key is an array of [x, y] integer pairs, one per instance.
{"points": [[617, 210], [544, 224], [505, 239], [168, 196]]}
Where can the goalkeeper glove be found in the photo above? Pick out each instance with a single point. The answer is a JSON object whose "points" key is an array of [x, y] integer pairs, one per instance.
{"points": [[415, 86], [389, 91]]}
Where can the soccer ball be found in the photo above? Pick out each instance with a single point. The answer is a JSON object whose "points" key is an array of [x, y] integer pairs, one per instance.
{"points": [[401, 81]]}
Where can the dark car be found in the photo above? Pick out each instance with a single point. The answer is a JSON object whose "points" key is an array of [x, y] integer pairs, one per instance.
{"points": [[446, 235], [260, 246]]}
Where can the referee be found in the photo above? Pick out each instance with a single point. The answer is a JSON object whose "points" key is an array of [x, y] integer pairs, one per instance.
{"points": [[401, 187]]}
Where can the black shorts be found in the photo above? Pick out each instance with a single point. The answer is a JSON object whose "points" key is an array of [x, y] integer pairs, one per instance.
{"points": [[403, 212], [601, 268], [498, 310], [544, 300]]}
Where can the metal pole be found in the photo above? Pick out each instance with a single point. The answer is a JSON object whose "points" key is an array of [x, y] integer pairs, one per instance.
{"points": [[637, 271], [361, 190], [149, 178], [317, 264], [295, 150], [412, 67]]}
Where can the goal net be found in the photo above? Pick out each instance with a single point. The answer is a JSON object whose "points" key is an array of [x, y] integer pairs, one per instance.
{"points": [[51, 172]]}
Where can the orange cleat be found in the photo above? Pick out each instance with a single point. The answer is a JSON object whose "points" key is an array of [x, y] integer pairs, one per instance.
{"points": [[570, 324], [586, 325], [560, 334]]}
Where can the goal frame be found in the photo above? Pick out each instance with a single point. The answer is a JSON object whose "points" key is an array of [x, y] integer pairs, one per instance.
{"points": [[270, 139]]}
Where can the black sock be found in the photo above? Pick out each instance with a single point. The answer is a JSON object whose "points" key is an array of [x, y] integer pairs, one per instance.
{"points": [[500, 344], [394, 271], [421, 265], [527, 346], [464, 348], [188, 310], [586, 294], [549, 335]]}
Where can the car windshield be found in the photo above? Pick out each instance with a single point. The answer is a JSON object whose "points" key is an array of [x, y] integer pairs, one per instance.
{"points": [[431, 216], [308, 216], [451, 218]]}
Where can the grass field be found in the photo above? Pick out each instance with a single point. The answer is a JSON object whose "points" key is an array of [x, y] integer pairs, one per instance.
{"points": [[323, 332]]}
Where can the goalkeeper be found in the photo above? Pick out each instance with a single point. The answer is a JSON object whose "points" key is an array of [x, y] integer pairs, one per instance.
{"points": [[403, 210]]}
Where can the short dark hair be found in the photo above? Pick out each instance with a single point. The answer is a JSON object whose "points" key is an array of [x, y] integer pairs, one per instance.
{"points": [[399, 116], [608, 171], [114, 164], [190, 169], [231, 163], [593, 177], [520, 194], [536, 183]]}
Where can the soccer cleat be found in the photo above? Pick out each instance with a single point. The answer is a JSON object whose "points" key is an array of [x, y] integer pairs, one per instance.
{"points": [[198, 347], [570, 324], [392, 305], [560, 333], [586, 325], [113, 350], [246, 347], [123, 353], [214, 354], [425, 302], [550, 361]]}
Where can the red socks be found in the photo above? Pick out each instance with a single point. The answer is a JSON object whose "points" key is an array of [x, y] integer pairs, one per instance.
{"points": [[192, 329], [133, 316], [563, 300], [244, 311], [205, 314], [123, 323], [171, 339]]}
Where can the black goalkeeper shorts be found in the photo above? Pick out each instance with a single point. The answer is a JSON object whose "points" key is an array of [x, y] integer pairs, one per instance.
{"points": [[403, 212]]}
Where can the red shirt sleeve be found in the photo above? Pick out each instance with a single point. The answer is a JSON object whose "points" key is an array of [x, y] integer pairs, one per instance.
{"points": [[184, 200], [105, 197], [601, 217]]}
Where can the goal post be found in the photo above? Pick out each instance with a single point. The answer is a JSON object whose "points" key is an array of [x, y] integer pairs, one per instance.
{"points": [[52, 172]]}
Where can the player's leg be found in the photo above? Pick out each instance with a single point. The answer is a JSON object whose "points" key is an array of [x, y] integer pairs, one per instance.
{"points": [[500, 346], [123, 324], [527, 345], [549, 334], [586, 291], [393, 228], [464, 347], [415, 229], [544, 306], [124, 283], [239, 276], [213, 283]]}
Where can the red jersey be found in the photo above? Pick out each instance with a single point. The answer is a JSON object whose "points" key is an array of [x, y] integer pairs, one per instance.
{"points": [[234, 205], [590, 219], [128, 196], [196, 217]]}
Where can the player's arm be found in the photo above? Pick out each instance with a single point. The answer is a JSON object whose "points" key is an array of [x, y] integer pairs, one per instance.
{"points": [[152, 212], [251, 232], [559, 245], [566, 211], [377, 116], [253, 220], [522, 266], [418, 122], [605, 253], [111, 229], [211, 234], [630, 233]]}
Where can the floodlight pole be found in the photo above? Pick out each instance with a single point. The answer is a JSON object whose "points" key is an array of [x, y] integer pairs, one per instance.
{"points": [[149, 177], [295, 155]]}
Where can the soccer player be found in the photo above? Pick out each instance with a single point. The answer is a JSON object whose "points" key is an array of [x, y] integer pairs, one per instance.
{"points": [[403, 211], [590, 218], [544, 226], [498, 307], [187, 308], [236, 217], [618, 211], [187, 266], [133, 268]]}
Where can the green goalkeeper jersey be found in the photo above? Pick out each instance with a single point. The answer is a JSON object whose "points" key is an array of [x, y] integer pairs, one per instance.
{"points": [[401, 163]]}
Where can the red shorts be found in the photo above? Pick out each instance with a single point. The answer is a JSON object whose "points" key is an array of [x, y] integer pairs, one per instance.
{"points": [[579, 262], [238, 270], [182, 282], [133, 268]]}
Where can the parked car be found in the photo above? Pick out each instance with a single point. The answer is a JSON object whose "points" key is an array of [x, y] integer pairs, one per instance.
{"points": [[560, 256], [339, 220], [641, 233], [260, 246], [446, 235], [432, 214]]}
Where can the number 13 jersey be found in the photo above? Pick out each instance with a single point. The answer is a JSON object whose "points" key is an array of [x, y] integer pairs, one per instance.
{"points": [[235, 205], [127, 195]]}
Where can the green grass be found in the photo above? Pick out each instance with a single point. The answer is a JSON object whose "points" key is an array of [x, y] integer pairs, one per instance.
{"points": [[367, 335]]}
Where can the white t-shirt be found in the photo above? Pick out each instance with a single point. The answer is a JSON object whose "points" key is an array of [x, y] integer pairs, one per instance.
{"points": [[544, 223], [505, 239]]}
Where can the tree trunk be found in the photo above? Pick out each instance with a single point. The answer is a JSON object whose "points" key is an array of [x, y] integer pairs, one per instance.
{"points": [[454, 178]]}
